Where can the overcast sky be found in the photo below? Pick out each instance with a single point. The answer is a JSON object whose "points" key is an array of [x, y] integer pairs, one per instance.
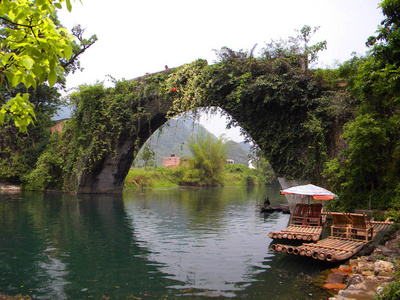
{"points": [[136, 37]]}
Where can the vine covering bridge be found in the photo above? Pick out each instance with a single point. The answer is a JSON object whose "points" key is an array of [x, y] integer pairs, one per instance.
{"points": [[278, 104]]}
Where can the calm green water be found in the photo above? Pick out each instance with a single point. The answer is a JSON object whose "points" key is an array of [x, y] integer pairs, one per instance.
{"points": [[148, 244]]}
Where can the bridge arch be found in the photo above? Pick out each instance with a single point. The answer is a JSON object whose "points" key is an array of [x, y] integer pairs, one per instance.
{"points": [[276, 102]]}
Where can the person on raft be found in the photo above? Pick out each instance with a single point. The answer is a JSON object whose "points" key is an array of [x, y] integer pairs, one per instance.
{"points": [[266, 203]]}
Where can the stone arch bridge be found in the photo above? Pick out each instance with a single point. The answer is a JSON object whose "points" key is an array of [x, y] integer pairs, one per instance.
{"points": [[273, 100]]}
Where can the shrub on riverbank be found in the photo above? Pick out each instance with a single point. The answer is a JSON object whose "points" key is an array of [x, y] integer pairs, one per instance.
{"points": [[156, 177]]}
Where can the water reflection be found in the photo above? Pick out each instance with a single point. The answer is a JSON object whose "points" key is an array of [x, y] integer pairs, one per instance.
{"points": [[64, 247], [208, 239], [146, 244]]}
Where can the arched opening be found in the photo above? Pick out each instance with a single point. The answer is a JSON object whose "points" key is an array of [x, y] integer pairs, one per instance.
{"points": [[168, 149]]}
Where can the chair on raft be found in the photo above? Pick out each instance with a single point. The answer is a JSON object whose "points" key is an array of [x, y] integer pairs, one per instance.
{"points": [[360, 227], [340, 224], [314, 214], [299, 214]]}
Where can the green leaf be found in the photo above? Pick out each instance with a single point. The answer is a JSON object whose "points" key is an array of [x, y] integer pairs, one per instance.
{"points": [[2, 112], [42, 78], [16, 79], [30, 81], [69, 6], [7, 57], [27, 62], [59, 70], [52, 77], [68, 51]]}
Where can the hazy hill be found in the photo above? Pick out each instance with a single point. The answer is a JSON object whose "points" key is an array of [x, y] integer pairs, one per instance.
{"points": [[171, 138]]}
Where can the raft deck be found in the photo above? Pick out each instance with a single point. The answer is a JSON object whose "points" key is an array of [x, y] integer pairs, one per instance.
{"points": [[332, 249], [298, 232]]}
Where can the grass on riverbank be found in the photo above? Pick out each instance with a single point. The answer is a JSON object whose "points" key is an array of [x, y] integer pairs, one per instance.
{"points": [[235, 175]]}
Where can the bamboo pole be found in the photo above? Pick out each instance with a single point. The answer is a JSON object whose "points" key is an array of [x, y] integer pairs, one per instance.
{"points": [[322, 256], [330, 257], [309, 252]]}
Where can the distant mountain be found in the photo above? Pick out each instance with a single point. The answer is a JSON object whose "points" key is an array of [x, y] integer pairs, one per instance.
{"points": [[237, 153], [171, 138], [246, 146]]}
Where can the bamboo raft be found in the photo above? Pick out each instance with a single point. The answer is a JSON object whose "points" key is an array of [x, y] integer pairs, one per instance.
{"points": [[331, 249], [298, 232], [305, 224]]}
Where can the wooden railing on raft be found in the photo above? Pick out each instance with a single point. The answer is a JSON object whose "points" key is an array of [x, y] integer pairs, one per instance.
{"points": [[331, 249]]}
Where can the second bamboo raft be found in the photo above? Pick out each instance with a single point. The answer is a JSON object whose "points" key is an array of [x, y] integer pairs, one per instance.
{"points": [[331, 249]]}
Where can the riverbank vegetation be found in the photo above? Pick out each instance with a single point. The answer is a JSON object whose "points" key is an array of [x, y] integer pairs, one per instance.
{"points": [[206, 166], [232, 175]]}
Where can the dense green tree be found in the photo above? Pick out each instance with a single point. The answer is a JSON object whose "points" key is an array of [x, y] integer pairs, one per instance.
{"points": [[367, 172], [206, 166], [295, 46]]}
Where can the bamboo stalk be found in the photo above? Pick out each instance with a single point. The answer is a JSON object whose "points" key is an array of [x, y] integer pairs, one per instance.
{"points": [[330, 257], [315, 254], [322, 256]]}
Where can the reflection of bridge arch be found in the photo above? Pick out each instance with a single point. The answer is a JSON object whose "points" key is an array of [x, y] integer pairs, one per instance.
{"points": [[271, 100]]}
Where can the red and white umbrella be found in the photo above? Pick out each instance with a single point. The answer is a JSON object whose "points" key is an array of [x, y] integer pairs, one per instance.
{"points": [[318, 193]]}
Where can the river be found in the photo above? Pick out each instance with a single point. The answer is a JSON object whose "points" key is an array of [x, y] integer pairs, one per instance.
{"points": [[149, 244]]}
